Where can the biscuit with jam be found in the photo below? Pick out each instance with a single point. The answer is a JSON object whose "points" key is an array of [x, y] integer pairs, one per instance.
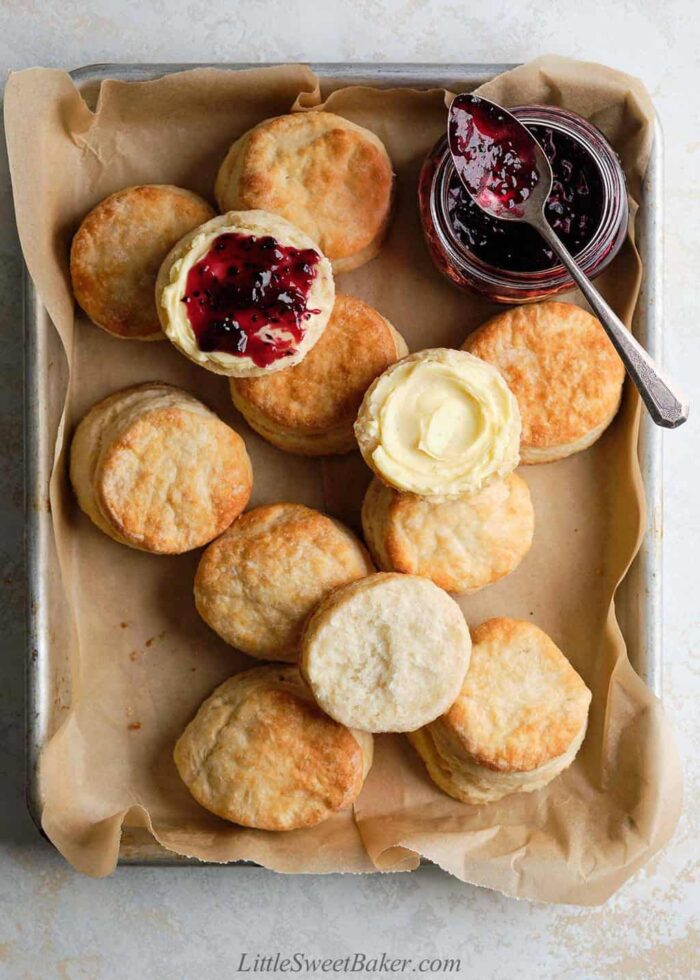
{"points": [[245, 294]]}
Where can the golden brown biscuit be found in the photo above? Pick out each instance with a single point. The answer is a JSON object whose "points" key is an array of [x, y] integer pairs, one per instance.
{"points": [[118, 249], [155, 469], [245, 294], [260, 752], [257, 584], [462, 545], [310, 409], [386, 654], [518, 722], [327, 175], [563, 370]]}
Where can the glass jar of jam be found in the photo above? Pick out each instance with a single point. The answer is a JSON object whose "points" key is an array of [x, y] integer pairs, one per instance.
{"points": [[508, 261]]}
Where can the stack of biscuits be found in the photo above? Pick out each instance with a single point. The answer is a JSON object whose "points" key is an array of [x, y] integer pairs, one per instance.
{"points": [[360, 636]]}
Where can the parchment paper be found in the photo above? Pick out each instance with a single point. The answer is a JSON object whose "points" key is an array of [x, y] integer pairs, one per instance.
{"points": [[142, 660]]}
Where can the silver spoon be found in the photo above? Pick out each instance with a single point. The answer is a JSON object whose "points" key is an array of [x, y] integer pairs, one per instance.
{"points": [[507, 174]]}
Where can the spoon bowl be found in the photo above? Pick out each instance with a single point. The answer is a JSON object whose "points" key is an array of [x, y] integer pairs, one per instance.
{"points": [[499, 161], [507, 174]]}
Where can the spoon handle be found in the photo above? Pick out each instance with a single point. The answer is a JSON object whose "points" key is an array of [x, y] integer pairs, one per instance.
{"points": [[665, 406]]}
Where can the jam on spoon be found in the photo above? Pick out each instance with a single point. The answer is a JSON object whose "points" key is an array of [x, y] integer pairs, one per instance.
{"points": [[248, 296], [494, 160]]}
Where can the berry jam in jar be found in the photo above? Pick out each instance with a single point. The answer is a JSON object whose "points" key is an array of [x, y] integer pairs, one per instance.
{"points": [[508, 261]]}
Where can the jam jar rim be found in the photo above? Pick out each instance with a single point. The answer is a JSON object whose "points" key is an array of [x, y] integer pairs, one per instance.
{"points": [[613, 221]]}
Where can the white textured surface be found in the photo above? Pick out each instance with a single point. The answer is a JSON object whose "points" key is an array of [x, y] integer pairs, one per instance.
{"points": [[154, 924]]}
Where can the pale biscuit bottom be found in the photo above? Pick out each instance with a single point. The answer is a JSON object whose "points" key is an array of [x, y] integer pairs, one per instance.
{"points": [[386, 654]]}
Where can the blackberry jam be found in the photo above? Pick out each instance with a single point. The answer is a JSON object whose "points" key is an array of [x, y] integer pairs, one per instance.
{"points": [[507, 261], [248, 296]]}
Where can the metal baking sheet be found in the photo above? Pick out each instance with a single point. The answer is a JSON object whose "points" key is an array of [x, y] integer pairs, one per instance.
{"points": [[638, 600]]}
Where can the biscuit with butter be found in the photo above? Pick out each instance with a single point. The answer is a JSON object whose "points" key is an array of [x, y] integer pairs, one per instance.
{"points": [[310, 408], [325, 174], [155, 469], [386, 654], [439, 423], [118, 250], [260, 753], [563, 370], [518, 722], [462, 544], [258, 582], [245, 294]]}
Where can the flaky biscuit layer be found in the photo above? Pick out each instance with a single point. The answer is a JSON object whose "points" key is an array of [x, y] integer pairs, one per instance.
{"points": [[563, 370], [155, 469], [462, 544], [257, 583], [259, 752], [118, 250], [466, 781], [325, 174]]}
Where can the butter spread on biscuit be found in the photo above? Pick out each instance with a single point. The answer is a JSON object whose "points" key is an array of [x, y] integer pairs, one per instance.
{"points": [[442, 423]]}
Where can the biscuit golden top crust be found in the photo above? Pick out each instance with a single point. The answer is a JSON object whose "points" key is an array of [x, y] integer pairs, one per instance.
{"points": [[462, 544], [522, 703], [386, 654], [257, 583], [157, 470], [118, 249], [559, 364], [330, 177], [326, 389], [260, 753]]}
